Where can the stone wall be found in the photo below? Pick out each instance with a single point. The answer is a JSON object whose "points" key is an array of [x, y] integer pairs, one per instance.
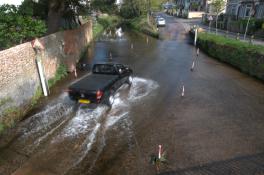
{"points": [[18, 73]]}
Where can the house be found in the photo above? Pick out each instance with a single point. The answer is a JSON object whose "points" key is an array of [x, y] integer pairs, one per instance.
{"points": [[190, 8], [191, 5], [241, 9]]}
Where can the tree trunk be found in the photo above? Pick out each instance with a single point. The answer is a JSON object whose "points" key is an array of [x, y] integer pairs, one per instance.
{"points": [[56, 9], [216, 24]]}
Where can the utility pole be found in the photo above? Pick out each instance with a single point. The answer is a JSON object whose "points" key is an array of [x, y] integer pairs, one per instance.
{"points": [[251, 13]]}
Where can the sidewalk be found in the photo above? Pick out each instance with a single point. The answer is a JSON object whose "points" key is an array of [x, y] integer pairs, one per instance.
{"points": [[188, 23]]}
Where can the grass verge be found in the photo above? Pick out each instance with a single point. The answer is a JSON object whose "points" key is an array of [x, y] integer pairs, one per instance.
{"points": [[244, 56]]}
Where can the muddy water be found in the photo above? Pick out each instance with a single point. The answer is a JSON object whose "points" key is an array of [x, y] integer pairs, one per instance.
{"points": [[61, 135], [219, 120]]}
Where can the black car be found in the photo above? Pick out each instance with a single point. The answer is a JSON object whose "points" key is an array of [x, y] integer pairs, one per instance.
{"points": [[101, 85]]}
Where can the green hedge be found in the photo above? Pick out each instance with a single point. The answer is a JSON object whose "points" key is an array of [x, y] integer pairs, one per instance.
{"points": [[244, 56]]}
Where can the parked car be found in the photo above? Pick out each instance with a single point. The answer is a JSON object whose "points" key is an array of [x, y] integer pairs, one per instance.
{"points": [[160, 21], [101, 85]]}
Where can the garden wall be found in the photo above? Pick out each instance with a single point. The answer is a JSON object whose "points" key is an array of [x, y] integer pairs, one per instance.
{"points": [[18, 74]]}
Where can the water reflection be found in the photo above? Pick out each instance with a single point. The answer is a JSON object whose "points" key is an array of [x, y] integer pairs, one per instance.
{"points": [[119, 32], [113, 34]]}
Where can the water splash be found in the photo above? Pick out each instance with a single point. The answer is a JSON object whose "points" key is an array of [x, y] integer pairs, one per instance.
{"points": [[120, 110], [90, 140], [38, 128], [75, 133], [83, 122], [45, 120], [141, 88]]}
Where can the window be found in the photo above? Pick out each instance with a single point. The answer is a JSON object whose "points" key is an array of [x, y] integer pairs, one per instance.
{"points": [[248, 10], [104, 68], [241, 11], [233, 10], [228, 9], [260, 11]]}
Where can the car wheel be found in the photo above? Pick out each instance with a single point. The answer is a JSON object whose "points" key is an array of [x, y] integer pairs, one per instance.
{"points": [[110, 101]]}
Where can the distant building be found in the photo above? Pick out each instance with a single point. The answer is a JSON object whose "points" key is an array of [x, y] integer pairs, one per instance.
{"points": [[210, 8], [191, 5], [191, 8], [245, 8]]}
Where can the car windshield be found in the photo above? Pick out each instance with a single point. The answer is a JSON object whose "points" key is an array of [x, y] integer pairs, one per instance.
{"points": [[161, 19], [104, 69]]}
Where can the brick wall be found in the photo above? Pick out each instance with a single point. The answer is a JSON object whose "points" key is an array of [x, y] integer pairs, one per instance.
{"points": [[18, 73]]}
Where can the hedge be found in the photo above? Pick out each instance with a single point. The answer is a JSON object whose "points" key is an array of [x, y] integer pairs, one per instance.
{"points": [[246, 57]]}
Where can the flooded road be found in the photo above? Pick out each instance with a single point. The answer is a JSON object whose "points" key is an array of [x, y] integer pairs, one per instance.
{"points": [[215, 128]]}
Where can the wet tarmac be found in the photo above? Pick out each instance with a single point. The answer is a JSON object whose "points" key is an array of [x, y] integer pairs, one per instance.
{"points": [[215, 128]]}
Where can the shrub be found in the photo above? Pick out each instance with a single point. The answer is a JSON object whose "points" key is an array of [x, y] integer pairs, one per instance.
{"points": [[246, 57], [141, 24], [16, 28]]}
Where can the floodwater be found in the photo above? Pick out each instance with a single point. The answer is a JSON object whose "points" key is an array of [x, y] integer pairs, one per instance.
{"points": [[215, 128]]}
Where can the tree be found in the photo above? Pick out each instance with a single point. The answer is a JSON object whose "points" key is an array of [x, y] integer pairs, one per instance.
{"points": [[218, 7], [134, 8], [251, 13], [26, 8], [64, 13], [17, 26], [106, 6], [58, 13]]}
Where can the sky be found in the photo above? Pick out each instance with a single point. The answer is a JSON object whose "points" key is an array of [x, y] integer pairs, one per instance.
{"points": [[15, 2]]}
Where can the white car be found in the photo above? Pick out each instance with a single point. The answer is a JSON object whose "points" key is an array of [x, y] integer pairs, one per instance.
{"points": [[161, 22]]}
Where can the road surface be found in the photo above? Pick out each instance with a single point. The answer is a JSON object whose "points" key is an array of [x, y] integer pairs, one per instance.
{"points": [[216, 128]]}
